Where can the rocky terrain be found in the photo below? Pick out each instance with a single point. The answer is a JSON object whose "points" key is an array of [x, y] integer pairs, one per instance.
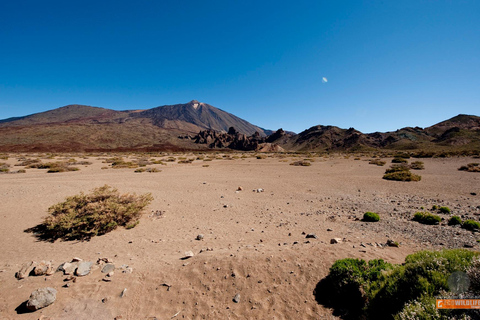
{"points": [[226, 236]]}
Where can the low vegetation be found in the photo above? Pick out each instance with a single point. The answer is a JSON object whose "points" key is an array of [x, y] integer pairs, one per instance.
{"points": [[371, 217], [4, 167], [417, 165], [377, 162], [54, 167], [471, 167], [399, 160], [454, 220], [83, 216], [301, 163], [426, 218], [380, 290], [400, 172], [471, 225]]}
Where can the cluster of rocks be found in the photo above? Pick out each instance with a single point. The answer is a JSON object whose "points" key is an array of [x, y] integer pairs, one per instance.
{"points": [[44, 297], [239, 141]]}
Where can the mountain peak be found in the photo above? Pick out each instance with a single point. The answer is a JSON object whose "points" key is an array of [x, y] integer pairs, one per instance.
{"points": [[195, 104]]}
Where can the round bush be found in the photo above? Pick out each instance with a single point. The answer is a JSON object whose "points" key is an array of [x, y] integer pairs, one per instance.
{"points": [[427, 218], [471, 225], [371, 217], [455, 220]]}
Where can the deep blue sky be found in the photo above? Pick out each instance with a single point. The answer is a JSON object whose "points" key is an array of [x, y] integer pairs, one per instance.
{"points": [[389, 64]]}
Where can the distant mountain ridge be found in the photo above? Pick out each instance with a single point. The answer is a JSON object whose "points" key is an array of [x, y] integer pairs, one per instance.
{"points": [[173, 127]]}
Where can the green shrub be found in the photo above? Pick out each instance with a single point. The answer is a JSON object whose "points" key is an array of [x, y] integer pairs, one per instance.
{"points": [[378, 290], [445, 210], [426, 218], [86, 215], [454, 221], [471, 225], [371, 217]]}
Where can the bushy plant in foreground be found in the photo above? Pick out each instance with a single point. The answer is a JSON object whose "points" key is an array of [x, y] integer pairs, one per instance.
{"points": [[371, 217], [426, 218], [379, 290], [86, 215]]}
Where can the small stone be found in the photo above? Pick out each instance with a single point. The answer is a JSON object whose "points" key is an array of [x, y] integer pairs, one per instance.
{"points": [[83, 268], [311, 236], [239, 189], [236, 299], [41, 298], [76, 259], [188, 255], [200, 237], [329, 229], [109, 267], [124, 292], [468, 245], [68, 268], [335, 240]]}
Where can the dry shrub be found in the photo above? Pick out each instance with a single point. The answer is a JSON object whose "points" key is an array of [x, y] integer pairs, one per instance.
{"points": [[301, 163], [377, 162], [86, 215], [471, 167]]}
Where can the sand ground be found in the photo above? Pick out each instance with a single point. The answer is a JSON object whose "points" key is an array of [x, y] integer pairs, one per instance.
{"points": [[257, 239]]}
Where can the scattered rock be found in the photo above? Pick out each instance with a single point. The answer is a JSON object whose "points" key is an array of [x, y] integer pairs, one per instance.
{"points": [[42, 268], [329, 229], [109, 267], [41, 298], [468, 245], [188, 255], [68, 268], [258, 190], [200, 237], [335, 240], [25, 270], [392, 243], [124, 293], [239, 189], [77, 259], [311, 236], [83, 268], [236, 299]]}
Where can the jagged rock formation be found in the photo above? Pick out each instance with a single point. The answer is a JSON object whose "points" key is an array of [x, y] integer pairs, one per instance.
{"points": [[239, 141]]}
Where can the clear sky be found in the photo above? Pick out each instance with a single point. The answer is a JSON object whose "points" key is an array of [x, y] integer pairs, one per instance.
{"points": [[388, 64]]}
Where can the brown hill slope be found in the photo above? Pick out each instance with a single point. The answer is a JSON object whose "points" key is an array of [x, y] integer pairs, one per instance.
{"points": [[460, 133], [83, 128]]}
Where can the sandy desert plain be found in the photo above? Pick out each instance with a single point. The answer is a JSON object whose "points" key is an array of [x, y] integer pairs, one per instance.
{"points": [[254, 243]]}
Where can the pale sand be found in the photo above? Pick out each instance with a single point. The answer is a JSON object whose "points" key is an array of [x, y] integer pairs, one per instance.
{"points": [[249, 237]]}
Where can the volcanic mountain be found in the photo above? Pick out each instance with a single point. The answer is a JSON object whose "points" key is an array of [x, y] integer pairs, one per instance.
{"points": [[85, 128]]}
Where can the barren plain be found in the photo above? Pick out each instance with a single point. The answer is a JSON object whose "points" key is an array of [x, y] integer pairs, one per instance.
{"points": [[254, 244]]}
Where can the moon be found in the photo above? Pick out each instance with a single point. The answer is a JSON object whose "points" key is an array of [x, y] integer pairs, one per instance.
{"points": [[324, 80]]}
